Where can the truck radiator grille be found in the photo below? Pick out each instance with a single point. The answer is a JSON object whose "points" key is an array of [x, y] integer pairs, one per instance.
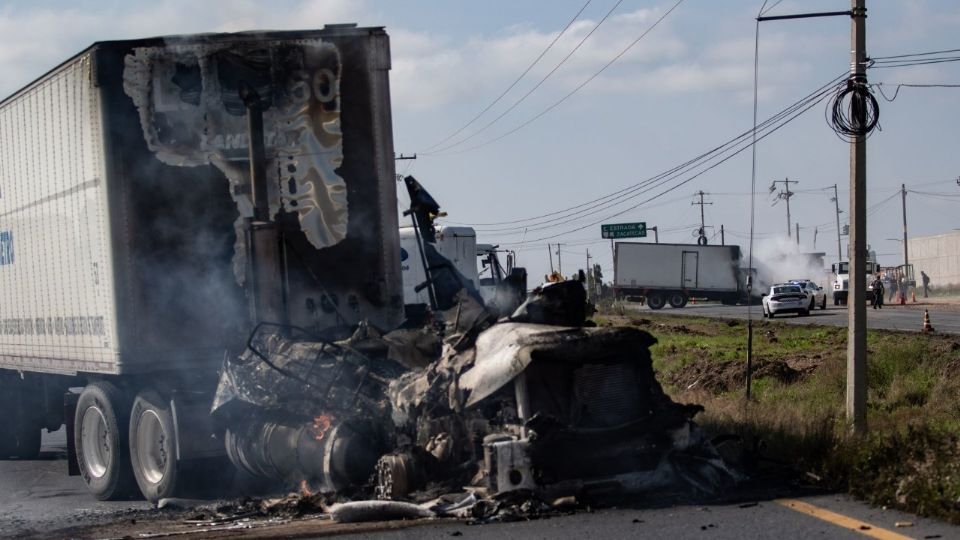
{"points": [[607, 394]]}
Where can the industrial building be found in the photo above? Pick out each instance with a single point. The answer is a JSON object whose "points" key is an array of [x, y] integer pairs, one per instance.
{"points": [[938, 256]]}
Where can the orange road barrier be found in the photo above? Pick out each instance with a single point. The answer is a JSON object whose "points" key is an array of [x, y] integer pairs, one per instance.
{"points": [[927, 327]]}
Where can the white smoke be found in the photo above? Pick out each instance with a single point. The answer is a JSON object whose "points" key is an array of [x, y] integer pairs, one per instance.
{"points": [[777, 260]]}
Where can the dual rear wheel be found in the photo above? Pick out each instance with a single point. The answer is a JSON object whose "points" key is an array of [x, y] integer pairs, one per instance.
{"points": [[657, 300], [125, 446]]}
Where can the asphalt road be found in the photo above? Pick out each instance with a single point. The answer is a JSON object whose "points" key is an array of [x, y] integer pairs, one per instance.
{"points": [[766, 519], [38, 498], [945, 318], [39, 495]]}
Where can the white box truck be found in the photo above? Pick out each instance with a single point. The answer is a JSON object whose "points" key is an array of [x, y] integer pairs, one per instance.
{"points": [[127, 218], [674, 273]]}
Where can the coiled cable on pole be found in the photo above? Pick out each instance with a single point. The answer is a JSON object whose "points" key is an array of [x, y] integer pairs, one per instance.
{"points": [[854, 111]]}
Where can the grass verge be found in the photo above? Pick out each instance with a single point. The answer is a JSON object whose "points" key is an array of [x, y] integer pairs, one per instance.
{"points": [[911, 457]]}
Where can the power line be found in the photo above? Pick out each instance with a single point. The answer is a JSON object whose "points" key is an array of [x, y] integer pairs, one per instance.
{"points": [[629, 192], [691, 178], [515, 82], [564, 219], [572, 92], [769, 9], [906, 63], [879, 87], [532, 90], [929, 53], [675, 173]]}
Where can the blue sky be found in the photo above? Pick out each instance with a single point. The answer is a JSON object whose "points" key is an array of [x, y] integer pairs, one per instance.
{"points": [[684, 88]]}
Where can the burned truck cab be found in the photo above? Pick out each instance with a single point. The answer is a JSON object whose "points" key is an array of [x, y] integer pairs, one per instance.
{"points": [[525, 405]]}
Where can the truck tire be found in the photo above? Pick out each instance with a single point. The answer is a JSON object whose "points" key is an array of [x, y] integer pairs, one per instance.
{"points": [[655, 300], [100, 437], [677, 300], [153, 446]]}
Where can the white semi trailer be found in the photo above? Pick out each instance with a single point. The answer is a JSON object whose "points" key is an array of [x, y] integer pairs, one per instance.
{"points": [[130, 216], [674, 273]]}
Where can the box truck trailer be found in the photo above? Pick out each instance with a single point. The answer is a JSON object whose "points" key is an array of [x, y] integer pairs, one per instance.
{"points": [[674, 273], [131, 211], [200, 256]]}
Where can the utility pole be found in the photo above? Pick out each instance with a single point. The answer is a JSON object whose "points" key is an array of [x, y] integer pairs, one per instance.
{"points": [[559, 261], [723, 241], [836, 202], [589, 277], [702, 240], [550, 254], [856, 401], [814, 237], [656, 235], [798, 233], [856, 398], [784, 194], [906, 258]]}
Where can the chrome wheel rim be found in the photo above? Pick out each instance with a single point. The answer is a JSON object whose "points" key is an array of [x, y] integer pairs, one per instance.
{"points": [[151, 451], [94, 438]]}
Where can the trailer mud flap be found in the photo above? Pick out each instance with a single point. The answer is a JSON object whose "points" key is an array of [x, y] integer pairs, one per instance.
{"points": [[69, 413]]}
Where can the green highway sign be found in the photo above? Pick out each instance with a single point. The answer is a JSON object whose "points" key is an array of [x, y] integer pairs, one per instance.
{"points": [[624, 230]]}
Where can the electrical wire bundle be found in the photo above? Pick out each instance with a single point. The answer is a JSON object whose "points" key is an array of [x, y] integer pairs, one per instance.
{"points": [[853, 111]]}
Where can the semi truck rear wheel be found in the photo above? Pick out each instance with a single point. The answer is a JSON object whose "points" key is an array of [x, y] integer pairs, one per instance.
{"points": [[100, 437], [655, 301], [677, 300], [153, 446]]}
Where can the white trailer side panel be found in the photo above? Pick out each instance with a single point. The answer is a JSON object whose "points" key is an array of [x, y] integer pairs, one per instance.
{"points": [[647, 265], [676, 266], [56, 285]]}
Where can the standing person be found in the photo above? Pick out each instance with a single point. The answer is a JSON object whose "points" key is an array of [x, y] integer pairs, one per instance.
{"points": [[926, 283], [893, 287], [877, 293]]}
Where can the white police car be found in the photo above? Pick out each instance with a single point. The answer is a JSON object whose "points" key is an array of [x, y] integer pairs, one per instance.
{"points": [[785, 298]]}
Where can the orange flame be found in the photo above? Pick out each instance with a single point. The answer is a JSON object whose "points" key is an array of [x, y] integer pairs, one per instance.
{"points": [[321, 425]]}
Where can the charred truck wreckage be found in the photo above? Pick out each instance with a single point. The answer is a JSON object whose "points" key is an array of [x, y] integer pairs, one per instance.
{"points": [[243, 270]]}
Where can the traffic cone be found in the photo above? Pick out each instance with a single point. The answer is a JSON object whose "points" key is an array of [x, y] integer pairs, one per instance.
{"points": [[693, 300], [926, 322], [913, 293], [903, 298]]}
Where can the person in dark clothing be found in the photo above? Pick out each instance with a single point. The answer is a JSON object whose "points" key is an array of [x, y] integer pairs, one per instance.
{"points": [[877, 293], [926, 283]]}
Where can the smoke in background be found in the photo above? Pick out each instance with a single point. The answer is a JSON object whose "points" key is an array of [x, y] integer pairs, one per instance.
{"points": [[780, 259]]}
